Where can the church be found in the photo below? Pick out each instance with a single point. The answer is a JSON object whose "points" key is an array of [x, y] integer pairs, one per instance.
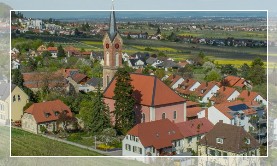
{"points": [[155, 100]]}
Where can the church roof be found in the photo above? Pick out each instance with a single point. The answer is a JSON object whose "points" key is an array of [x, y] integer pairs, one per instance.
{"points": [[112, 25], [148, 90]]}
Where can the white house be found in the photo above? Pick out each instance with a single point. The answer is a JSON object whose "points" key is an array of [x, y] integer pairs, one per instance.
{"points": [[15, 64], [136, 63], [225, 94], [249, 96], [206, 91], [155, 138], [235, 113]]}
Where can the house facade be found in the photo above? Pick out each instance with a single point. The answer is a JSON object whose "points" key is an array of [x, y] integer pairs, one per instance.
{"points": [[228, 140], [157, 138], [45, 115], [19, 100], [206, 91]]}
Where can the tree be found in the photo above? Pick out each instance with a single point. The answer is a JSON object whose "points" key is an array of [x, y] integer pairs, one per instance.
{"points": [[257, 75], [199, 59], [61, 52], [51, 44], [244, 69], [95, 113], [208, 66], [257, 61], [17, 78], [186, 71], [229, 70], [124, 102], [46, 54], [213, 75], [158, 31], [160, 73]]}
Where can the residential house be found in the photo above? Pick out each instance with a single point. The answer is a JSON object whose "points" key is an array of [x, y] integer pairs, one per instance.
{"points": [[53, 51], [192, 132], [46, 114], [136, 63], [206, 91], [225, 94], [156, 138], [168, 64], [187, 87], [19, 100], [15, 64], [80, 78], [228, 140], [91, 85], [235, 81], [154, 100], [235, 113], [193, 109], [41, 49], [151, 60], [250, 96], [4, 103], [174, 80]]}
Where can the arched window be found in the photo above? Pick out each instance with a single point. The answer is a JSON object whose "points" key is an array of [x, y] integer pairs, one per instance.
{"points": [[143, 117], [163, 116], [108, 80], [174, 115], [117, 59], [108, 59]]}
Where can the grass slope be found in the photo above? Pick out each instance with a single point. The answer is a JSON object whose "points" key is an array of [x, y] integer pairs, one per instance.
{"points": [[27, 144]]}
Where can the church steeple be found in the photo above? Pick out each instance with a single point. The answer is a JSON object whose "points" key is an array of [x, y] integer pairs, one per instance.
{"points": [[112, 26]]}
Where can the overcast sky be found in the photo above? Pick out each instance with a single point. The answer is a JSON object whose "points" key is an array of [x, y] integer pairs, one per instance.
{"points": [[143, 4]]}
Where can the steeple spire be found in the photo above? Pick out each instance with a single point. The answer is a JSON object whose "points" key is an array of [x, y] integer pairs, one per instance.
{"points": [[112, 27]]}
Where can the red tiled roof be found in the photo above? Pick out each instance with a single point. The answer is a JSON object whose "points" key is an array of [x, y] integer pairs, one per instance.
{"points": [[40, 110], [66, 72], [78, 77], [191, 103], [52, 49], [223, 94], [185, 86], [234, 138], [192, 111], [234, 81], [223, 108], [195, 127], [148, 90], [86, 53], [206, 87], [158, 134], [248, 95]]}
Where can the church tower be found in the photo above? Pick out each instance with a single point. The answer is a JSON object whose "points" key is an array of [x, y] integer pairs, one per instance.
{"points": [[112, 44]]}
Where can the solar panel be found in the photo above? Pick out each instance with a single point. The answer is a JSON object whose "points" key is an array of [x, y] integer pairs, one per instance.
{"points": [[238, 107]]}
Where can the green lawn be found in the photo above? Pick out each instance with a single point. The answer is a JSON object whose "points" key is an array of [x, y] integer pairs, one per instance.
{"points": [[27, 144]]}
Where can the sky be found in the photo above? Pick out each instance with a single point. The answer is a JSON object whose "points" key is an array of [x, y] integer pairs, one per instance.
{"points": [[143, 4]]}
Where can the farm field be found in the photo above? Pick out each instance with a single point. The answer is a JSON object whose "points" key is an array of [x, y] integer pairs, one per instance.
{"points": [[42, 146]]}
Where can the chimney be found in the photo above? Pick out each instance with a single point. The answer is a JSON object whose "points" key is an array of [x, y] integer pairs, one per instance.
{"points": [[220, 121]]}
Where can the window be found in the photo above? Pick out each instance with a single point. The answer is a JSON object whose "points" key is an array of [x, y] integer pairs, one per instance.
{"points": [[108, 59], [219, 140], [153, 150], [140, 150], [108, 80], [143, 118], [128, 147], [14, 99], [212, 152], [163, 116], [18, 97], [174, 115], [134, 149], [247, 141], [189, 139], [56, 113], [116, 59], [218, 153], [126, 137]]}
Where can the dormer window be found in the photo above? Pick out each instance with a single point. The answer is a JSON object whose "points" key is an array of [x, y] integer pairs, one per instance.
{"points": [[47, 115], [219, 140], [18, 97], [56, 113], [247, 141], [14, 99]]}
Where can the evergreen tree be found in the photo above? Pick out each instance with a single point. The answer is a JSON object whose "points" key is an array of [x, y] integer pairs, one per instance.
{"points": [[95, 113], [17, 78], [61, 52], [124, 102]]}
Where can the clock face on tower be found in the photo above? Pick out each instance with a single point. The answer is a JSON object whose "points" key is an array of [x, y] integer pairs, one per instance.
{"points": [[116, 46], [107, 46]]}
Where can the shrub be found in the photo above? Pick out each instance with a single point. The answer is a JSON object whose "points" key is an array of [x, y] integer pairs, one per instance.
{"points": [[74, 137]]}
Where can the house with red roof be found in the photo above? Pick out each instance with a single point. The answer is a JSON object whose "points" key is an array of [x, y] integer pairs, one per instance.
{"points": [[206, 91], [45, 114], [225, 94], [193, 131], [228, 140], [155, 100], [187, 87], [234, 81], [53, 51], [193, 108], [175, 80], [251, 96], [235, 113], [156, 138]]}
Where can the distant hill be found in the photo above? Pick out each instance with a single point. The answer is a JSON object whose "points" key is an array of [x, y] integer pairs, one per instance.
{"points": [[4, 10]]}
